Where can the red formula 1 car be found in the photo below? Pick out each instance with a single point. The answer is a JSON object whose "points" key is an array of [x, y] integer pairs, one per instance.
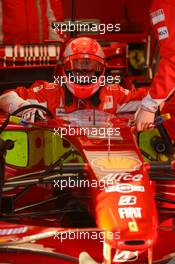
{"points": [[77, 189]]}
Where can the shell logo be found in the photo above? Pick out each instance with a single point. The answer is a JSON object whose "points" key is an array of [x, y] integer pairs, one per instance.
{"points": [[116, 163]]}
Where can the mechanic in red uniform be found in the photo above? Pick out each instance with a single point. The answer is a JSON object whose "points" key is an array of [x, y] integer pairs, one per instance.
{"points": [[162, 14], [28, 21], [82, 57]]}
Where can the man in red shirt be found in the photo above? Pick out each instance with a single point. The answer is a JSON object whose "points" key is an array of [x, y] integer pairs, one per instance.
{"points": [[162, 13], [83, 68], [28, 21]]}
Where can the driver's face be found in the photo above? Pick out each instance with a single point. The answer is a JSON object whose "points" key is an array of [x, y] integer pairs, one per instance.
{"points": [[85, 64], [84, 67]]}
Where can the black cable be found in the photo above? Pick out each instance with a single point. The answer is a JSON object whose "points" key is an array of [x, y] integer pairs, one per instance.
{"points": [[40, 213], [165, 200], [21, 193], [149, 157], [144, 153], [60, 161], [170, 210], [161, 178], [162, 175]]}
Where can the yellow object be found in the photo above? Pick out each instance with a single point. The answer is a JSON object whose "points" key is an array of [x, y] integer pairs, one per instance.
{"points": [[15, 119], [133, 226], [145, 142], [117, 163], [28, 148], [137, 59], [55, 147], [166, 116], [163, 157]]}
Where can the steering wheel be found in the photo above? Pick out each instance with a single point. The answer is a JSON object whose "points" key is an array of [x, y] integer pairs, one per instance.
{"points": [[19, 110]]}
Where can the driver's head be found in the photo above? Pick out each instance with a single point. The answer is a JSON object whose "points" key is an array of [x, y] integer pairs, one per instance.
{"points": [[83, 64]]}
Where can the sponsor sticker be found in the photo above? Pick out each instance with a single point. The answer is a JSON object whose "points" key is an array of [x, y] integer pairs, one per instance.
{"points": [[125, 188], [162, 33], [127, 200], [125, 256], [59, 111], [133, 226], [130, 212], [13, 231], [157, 16], [123, 176], [108, 102]]}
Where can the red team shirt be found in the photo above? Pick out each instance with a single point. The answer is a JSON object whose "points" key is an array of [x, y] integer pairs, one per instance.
{"points": [[113, 98], [162, 14], [162, 17], [28, 21]]}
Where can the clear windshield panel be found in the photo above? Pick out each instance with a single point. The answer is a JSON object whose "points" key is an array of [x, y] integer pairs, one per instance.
{"points": [[88, 118]]}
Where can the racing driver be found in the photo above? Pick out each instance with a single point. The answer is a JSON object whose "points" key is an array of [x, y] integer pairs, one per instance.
{"points": [[82, 60]]}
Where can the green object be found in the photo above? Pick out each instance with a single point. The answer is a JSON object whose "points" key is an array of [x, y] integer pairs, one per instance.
{"points": [[145, 142], [17, 156], [55, 147], [35, 145], [28, 148]]}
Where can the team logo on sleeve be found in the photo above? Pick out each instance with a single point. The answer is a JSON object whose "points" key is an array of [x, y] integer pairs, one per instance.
{"points": [[36, 89], [109, 102]]}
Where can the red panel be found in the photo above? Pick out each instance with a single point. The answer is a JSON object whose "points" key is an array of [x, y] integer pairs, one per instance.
{"points": [[111, 11]]}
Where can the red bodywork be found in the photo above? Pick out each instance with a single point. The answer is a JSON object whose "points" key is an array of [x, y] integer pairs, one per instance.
{"points": [[128, 224]]}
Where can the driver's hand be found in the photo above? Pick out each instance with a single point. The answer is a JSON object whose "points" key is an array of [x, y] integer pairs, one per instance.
{"points": [[144, 119], [33, 114]]}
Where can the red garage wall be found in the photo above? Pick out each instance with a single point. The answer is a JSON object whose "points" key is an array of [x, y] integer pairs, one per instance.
{"points": [[112, 11]]}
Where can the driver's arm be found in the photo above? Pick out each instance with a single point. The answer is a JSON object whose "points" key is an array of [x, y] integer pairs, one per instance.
{"points": [[12, 100], [128, 100]]}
